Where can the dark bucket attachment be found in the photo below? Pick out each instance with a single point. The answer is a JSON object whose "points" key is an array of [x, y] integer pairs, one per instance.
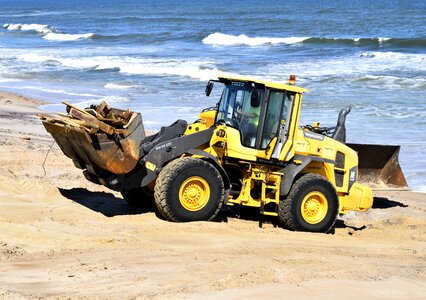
{"points": [[379, 167]]}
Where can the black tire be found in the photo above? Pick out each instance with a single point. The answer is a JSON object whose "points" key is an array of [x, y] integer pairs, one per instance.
{"points": [[140, 197], [312, 205], [188, 176]]}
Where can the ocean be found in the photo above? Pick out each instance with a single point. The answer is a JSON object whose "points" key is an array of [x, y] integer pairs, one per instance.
{"points": [[156, 56]]}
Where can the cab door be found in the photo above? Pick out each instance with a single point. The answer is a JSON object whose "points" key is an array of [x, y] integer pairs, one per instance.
{"points": [[273, 138]]}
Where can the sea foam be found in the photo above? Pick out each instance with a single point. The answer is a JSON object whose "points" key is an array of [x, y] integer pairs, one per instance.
{"points": [[222, 39]]}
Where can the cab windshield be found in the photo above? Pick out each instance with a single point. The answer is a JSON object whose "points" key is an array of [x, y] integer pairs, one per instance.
{"points": [[235, 104], [240, 107]]}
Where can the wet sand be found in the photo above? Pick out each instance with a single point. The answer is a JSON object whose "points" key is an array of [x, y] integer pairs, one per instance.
{"points": [[63, 237]]}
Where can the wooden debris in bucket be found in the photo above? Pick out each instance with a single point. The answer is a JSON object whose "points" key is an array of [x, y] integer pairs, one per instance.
{"points": [[93, 119]]}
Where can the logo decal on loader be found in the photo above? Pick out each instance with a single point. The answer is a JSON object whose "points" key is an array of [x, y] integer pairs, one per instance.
{"points": [[314, 136], [352, 176]]}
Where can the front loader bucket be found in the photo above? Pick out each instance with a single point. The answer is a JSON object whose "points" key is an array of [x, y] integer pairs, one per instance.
{"points": [[379, 167], [100, 143], [117, 153]]}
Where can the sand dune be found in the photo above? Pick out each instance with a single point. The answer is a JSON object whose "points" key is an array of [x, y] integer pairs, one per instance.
{"points": [[62, 237]]}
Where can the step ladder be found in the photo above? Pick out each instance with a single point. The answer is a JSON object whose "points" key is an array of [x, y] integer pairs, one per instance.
{"points": [[270, 194]]}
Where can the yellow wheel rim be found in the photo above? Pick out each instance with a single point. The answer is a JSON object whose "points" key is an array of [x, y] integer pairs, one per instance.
{"points": [[194, 193], [314, 207]]}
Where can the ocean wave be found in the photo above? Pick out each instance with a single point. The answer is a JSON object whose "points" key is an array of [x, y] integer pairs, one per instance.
{"points": [[221, 39], [349, 41], [56, 91], [394, 81], [6, 80], [366, 41], [117, 101], [186, 68], [121, 37], [34, 58], [48, 32], [36, 13], [115, 86], [52, 36], [40, 28], [81, 63], [391, 60], [197, 69], [353, 67], [394, 55], [388, 69]]}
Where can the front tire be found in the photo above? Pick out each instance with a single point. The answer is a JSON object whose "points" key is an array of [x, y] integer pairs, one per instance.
{"points": [[312, 205], [189, 189]]}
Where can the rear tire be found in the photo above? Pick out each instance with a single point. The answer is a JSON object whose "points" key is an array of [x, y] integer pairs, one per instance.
{"points": [[189, 189], [312, 205]]}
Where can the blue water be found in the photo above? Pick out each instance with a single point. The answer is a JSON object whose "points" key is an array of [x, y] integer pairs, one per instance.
{"points": [[156, 56]]}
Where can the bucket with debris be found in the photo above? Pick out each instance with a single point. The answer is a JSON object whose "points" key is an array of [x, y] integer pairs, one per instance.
{"points": [[99, 139]]}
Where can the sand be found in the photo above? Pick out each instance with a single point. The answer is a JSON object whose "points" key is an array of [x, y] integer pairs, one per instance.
{"points": [[62, 237]]}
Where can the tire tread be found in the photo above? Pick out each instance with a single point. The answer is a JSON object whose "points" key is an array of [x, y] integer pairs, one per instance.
{"points": [[165, 181], [286, 217]]}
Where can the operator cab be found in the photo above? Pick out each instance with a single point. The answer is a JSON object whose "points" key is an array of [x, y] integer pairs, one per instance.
{"points": [[259, 112]]}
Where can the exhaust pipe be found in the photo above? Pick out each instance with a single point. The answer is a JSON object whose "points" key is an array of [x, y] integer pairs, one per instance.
{"points": [[379, 168]]}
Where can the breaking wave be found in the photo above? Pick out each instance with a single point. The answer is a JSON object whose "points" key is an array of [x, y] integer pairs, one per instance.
{"points": [[349, 41], [34, 58], [222, 39], [197, 69], [115, 86], [67, 37], [48, 32], [40, 28]]}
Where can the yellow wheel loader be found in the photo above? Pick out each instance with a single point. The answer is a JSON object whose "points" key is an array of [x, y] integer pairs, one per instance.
{"points": [[249, 150]]}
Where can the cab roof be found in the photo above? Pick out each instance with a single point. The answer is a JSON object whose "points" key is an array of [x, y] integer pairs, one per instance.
{"points": [[270, 84]]}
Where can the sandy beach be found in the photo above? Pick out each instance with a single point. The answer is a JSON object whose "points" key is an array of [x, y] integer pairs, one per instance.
{"points": [[62, 237]]}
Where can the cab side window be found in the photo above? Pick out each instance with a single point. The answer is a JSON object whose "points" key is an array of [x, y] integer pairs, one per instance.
{"points": [[249, 118]]}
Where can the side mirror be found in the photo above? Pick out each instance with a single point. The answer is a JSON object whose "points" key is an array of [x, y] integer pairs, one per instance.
{"points": [[209, 88], [255, 99]]}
